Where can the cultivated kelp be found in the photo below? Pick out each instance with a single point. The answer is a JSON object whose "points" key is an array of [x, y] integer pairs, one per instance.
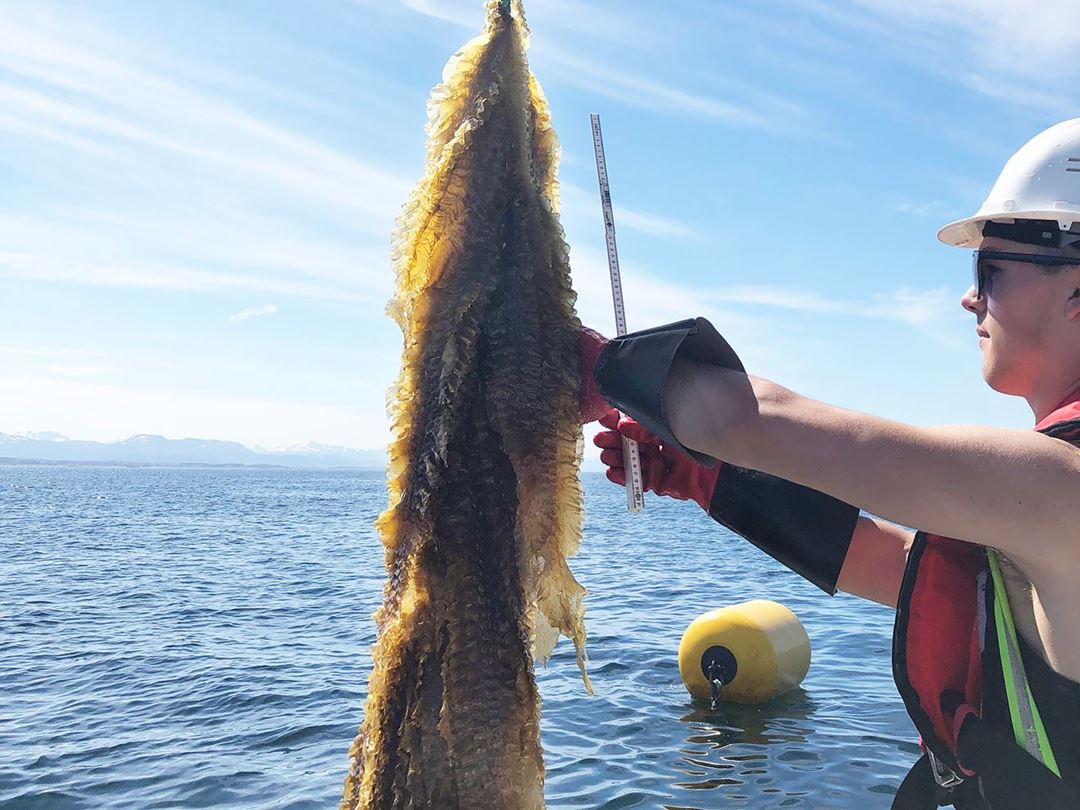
{"points": [[485, 502]]}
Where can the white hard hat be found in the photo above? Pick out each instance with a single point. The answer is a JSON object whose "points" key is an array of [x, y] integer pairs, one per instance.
{"points": [[1040, 182]]}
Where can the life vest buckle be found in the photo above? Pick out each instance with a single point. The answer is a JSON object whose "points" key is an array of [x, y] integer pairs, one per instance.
{"points": [[944, 775]]}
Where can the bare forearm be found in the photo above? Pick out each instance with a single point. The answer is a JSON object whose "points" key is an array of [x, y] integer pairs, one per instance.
{"points": [[990, 485]]}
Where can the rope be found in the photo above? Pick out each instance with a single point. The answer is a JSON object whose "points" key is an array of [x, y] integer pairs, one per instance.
{"points": [[716, 683]]}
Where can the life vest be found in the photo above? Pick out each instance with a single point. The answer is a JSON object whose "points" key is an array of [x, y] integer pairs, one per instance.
{"points": [[951, 610]]}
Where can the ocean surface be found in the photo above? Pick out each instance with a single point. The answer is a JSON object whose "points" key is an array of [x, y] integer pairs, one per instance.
{"points": [[196, 638]]}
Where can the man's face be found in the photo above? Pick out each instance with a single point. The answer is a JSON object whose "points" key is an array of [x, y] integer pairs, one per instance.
{"points": [[1021, 322]]}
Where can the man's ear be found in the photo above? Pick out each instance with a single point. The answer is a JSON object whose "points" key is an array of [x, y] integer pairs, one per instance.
{"points": [[1072, 306]]}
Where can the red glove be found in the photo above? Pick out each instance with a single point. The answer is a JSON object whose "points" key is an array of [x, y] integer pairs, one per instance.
{"points": [[664, 470], [591, 404]]}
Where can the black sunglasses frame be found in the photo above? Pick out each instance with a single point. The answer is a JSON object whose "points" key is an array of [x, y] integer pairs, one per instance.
{"points": [[980, 278]]}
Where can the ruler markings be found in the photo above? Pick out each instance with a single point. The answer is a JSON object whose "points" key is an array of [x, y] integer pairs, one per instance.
{"points": [[635, 493]]}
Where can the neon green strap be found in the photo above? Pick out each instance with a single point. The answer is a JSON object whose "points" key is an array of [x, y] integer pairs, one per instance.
{"points": [[1026, 721]]}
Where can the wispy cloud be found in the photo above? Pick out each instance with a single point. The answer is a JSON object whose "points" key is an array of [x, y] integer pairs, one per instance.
{"points": [[110, 96], [58, 361], [216, 248], [655, 225], [460, 14], [929, 311], [226, 199], [999, 48], [616, 82], [580, 203], [1012, 37], [158, 277], [254, 312], [651, 299], [1020, 93], [934, 208], [47, 352], [39, 351]]}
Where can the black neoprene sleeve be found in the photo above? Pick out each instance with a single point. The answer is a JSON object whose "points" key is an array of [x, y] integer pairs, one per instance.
{"points": [[806, 530]]}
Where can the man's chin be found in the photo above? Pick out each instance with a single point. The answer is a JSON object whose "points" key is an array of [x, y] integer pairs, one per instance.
{"points": [[999, 380]]}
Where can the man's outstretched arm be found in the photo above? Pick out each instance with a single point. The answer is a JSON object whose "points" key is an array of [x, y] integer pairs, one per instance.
{"points": [[1011, 489]]}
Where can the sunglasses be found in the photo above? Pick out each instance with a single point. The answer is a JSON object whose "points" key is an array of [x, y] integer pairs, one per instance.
{"points": [[982, 272]]}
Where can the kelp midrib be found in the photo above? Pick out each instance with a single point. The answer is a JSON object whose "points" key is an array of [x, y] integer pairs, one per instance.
{"points": [[470, 278], [474, 593], [474, 502]]}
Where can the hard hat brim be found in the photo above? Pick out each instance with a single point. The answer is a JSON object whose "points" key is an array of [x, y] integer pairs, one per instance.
{"points": [[963, 232], [968, 232]]}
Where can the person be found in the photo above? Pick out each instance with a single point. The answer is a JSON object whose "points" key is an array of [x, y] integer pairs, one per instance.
{"points": [[986, 647]]}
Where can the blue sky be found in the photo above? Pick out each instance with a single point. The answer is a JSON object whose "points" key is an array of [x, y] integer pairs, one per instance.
{"points": [[198, 196]]}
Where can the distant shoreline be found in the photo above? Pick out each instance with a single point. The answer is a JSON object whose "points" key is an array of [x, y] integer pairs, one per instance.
{"points": [[7, 461]]}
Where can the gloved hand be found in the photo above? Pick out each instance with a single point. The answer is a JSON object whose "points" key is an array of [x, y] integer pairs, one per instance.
{"points": [[806, 530], [664, 470], [591, 404]]}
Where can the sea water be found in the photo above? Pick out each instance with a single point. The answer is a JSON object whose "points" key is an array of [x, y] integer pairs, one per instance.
{"points": [[196, 638]]}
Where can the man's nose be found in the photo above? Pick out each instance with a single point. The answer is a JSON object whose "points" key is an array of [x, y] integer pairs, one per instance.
{"points": [[972, 302]]}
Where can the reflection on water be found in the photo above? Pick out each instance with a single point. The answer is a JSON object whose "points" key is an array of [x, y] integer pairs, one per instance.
{"points": [[717, 754], [200, 638], [776, 721]]}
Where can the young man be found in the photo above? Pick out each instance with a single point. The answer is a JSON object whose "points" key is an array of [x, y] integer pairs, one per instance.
{"points": [[986, 650]]}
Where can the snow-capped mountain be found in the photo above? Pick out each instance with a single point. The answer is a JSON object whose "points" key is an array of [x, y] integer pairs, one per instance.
{"points": [[151, 449], [316, 449], [45, 436]]}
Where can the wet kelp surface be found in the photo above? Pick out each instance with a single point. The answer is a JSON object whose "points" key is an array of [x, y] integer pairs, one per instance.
{"points": [[485, 502]]}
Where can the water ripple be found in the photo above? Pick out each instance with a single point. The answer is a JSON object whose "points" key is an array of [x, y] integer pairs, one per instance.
{"points": [[190, 638]]}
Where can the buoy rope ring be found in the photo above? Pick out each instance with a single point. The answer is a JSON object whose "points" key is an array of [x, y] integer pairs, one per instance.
{"points": [[719, 665]]}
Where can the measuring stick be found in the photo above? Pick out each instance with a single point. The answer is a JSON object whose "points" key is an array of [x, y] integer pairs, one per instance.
{"points": [[635, 493]]}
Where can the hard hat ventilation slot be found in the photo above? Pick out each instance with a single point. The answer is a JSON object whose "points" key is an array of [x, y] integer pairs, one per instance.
{"points": [[1075, 168]]}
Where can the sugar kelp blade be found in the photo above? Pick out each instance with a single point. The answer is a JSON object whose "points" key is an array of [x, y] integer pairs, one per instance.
{"points": [[485, 502]]}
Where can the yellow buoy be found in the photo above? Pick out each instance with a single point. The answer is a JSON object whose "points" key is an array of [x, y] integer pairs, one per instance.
{"points": [[756, 649]]}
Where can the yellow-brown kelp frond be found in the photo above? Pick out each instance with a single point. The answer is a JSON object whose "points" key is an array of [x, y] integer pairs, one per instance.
{"points": [[485, 503]]}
